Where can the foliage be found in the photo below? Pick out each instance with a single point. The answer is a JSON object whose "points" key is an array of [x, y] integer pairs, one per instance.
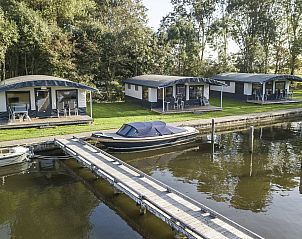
{"points": [[102, 42]]}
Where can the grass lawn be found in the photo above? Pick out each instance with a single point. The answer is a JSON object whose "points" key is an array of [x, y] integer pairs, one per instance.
{"points": [[113, 115]]}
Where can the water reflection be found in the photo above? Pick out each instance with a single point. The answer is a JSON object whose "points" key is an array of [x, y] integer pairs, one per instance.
{"points": [[227, 172], [43, 200]]}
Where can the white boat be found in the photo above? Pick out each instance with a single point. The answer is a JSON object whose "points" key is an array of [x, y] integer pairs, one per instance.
{"points": [[14, 155]]}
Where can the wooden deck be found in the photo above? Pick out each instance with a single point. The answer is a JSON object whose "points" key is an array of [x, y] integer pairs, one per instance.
{"points": [[192, 109], [182, 213], [46, 122]]}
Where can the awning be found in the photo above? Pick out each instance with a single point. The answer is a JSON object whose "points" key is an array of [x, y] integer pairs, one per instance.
{"points": [[254, 78], [40, 81], [162, 81]]}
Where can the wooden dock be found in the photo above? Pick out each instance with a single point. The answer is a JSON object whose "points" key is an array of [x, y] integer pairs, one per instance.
{"points": [[183, 214]]}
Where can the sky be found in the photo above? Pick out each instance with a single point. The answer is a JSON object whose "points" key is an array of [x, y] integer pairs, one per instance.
{"points": [[157, 9]]}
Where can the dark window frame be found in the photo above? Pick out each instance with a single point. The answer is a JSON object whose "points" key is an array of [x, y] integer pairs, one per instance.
{"points": [[144, 90], [136, 87], [228, 83], [184, 96], [129, 86], [77, 90], [190, 95], [25, 91]]}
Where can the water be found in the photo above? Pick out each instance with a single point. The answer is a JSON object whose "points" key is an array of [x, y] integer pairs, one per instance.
{"points": [[52, 203], [262, 191]]}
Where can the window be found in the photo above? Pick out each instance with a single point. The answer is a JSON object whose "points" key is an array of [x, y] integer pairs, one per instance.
{"points": [[195, 92], [124, 130], [128, 131], [145, 93], [67, 98], [136, 87], [159, 94], [181, 91], [280, 85], [129, 86], [169, 91], [228, 83], [269, 88], [18, 97]]}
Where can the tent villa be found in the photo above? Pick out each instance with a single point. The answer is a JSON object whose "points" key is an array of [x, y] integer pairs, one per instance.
{"points": [[39, 100], [256, 88], [171, 94]]}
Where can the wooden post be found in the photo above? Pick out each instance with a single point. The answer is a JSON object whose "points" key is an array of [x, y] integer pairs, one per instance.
{"points": [[251, 139], [163, 99], [251, 166], [142, 210], [213, 131], [90, 96], [300, 188], [221, 96]]}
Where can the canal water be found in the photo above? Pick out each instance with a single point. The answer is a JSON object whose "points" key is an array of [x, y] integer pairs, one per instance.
{"points": [[261, 191]]}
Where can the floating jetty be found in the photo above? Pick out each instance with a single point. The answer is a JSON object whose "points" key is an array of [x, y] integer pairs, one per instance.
{"points": [[185, 215]]}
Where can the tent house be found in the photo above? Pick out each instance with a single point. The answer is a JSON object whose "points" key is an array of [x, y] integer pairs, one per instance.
{"points": [[256, 88], [40, 96], [163, 93]]}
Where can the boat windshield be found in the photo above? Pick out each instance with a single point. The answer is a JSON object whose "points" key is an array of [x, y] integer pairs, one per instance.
{"points": [[124, 130], [127, 130]]}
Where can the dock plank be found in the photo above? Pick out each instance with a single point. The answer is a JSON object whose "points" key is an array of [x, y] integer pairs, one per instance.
{"points": [[184, 214]]}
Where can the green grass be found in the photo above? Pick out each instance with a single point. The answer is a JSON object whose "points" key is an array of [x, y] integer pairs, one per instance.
{"points": [[113, 115]]}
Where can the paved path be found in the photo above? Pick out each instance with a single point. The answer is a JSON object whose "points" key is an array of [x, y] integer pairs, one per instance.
{"points": [[202, 123]]}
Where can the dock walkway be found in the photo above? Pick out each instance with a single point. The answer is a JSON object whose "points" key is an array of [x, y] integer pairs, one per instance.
{"points": [[183, 214]]}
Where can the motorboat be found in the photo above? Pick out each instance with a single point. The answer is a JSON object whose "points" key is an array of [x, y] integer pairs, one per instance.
{"points": [[145, 136], [14, 155]]}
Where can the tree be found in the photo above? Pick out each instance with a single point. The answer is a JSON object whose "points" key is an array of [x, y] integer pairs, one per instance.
{"points": [[8, 36]]}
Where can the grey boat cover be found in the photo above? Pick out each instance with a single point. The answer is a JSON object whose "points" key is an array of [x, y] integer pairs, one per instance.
{"points": [[148, 129]]}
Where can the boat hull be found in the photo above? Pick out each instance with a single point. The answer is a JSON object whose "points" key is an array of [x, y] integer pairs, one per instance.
{"points": [[138, 144], [19, 156]]}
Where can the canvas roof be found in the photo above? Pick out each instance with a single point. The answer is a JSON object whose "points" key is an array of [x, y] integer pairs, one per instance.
{"points": [[161, 81], [254, 78], [39, 81], [151, 129]]}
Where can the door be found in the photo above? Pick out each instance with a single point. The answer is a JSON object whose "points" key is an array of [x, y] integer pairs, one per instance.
{"points": [[43, 102]]}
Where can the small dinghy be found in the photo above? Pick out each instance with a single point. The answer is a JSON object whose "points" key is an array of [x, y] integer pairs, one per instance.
{"points": [[15, 155], [146, 136]]}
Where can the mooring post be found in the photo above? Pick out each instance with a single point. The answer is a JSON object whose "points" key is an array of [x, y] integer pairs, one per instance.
{"points": [[251, 139], [142, 210], [116, 191], [251, 165], [213, 131]]}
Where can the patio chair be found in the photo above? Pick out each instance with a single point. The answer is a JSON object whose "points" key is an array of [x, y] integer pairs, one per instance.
{"points": [[205, 101], [20, 110], [61, 109], [72, 107], [180, 103]]}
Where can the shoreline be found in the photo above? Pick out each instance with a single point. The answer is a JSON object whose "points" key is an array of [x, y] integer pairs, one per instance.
{"points": [[225, 123]]}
